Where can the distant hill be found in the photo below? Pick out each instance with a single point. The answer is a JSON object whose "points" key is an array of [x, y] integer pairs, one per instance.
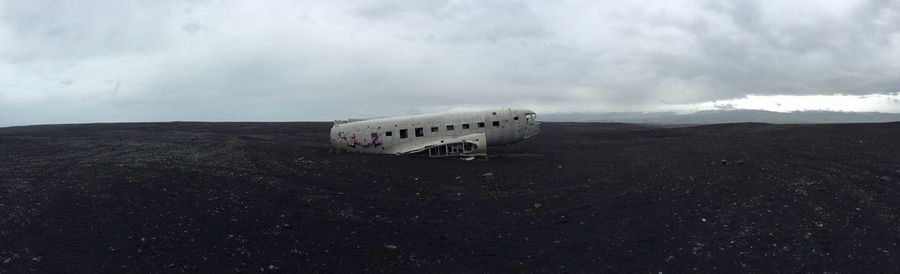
{"points": [[724, 116]]}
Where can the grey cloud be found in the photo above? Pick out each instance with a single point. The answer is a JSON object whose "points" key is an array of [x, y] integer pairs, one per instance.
{"points": [[753, 56], [284, 60], [193, 27], [66, 29]]}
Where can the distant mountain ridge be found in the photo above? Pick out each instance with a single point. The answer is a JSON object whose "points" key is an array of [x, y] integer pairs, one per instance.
{"points": [[725, 116]]}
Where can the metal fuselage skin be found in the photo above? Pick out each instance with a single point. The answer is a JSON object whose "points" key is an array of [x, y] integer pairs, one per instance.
{"points": [[409, 134]]}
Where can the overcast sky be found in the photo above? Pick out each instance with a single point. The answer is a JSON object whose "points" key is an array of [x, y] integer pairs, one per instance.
{"points": [[111, 60]]}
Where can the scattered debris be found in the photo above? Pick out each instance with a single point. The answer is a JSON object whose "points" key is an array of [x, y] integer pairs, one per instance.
{"points": [[724, 162], [391, 247], [884, 178], [537, 205], [670, 258], [469, 158], [488, 177]]}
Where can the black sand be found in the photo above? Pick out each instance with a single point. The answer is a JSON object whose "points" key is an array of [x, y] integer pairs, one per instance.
{"points": [[225, 197]]}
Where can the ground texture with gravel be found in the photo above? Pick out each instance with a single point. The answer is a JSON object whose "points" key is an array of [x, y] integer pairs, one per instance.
{"points": [[261, 197]]}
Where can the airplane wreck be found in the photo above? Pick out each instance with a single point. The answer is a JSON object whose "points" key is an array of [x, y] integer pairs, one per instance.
{"points": [[438, 134]]}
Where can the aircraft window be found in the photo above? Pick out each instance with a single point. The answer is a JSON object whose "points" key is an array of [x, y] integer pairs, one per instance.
{"points": [[481, 124], [403, 133], [465, 126], [496, 123], [420, 132], [516, 118], [449, 127], [374, 135], [434, 129], [531, 118], [388, 133]]}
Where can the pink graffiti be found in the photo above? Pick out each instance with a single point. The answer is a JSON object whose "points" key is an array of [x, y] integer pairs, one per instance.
{"points": [[352, 141], [376, 141]]}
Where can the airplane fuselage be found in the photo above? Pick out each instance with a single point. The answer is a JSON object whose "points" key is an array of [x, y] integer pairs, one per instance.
{"points": [[416, 133]]}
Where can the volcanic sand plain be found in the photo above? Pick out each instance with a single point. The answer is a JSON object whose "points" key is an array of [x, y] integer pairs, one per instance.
{"points": [[592, 197]]}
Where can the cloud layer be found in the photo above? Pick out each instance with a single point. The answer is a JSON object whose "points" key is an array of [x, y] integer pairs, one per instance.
{"points": [[82, 61]]}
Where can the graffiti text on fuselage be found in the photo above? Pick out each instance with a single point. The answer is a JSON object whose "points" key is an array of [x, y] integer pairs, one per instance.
{"points": [[353, 141]]}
